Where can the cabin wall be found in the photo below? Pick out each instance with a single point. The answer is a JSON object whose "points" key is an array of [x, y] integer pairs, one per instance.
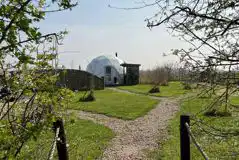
{"points": [[132, 75]]}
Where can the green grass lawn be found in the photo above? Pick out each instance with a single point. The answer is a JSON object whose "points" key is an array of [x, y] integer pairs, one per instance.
{"points": [[234, 100], [173, 89], [86, 140], [216, 147], [116, 104]]}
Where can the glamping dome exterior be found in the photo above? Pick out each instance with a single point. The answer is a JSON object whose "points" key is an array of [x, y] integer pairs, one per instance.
{"points": [[108, 67]]}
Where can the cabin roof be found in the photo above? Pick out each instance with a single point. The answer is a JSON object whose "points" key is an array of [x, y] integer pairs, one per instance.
{"points": [[130, 65]]}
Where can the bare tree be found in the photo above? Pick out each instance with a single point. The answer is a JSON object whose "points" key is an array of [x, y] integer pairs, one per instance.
{"points": [[155, 76], [210, 27]]}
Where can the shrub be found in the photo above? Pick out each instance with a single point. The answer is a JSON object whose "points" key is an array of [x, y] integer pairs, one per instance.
{"points": [[155, 89], [88, 97]]}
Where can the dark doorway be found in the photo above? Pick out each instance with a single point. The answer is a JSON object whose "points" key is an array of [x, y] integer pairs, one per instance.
{"points": [[115, 80]]}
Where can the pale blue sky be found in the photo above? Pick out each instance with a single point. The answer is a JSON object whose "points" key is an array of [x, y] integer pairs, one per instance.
{"points": [[95, 29]]}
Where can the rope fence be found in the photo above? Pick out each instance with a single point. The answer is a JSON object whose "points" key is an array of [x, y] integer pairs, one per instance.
{"points": [[187, 136], [59, 142], [195, 142], [53, 146]]}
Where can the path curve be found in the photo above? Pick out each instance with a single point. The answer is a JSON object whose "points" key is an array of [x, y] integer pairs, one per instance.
{"points": [[134, 137]]}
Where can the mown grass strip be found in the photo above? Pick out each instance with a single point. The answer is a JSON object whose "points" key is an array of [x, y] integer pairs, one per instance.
{"points": [[116, 104]]}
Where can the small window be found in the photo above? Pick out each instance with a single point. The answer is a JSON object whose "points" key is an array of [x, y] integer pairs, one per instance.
{"points": [[108, 70]]}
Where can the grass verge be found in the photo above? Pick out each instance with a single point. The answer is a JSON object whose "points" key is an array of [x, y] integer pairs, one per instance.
{"points": [[216, 146], [116, 104], [86, 140]]}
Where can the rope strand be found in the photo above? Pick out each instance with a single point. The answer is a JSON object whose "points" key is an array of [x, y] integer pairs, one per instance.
{"points": [[53, 147], [195, 142]]}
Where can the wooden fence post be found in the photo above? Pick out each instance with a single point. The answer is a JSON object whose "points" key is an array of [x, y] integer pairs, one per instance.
{"points": [[61, 142], [184, 138]]}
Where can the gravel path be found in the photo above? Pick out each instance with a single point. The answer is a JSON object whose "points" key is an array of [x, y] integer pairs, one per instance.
{"points": [[134, 137]]}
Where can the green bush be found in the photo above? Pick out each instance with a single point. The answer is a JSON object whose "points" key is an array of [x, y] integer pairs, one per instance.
{"points": [[88, 97], [155, 89]]}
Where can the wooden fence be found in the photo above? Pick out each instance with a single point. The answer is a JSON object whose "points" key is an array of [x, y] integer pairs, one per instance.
{"points": [[186, 136], [79, 80]]}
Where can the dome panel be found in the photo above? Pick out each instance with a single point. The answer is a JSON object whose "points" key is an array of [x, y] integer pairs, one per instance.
{"points": [[98, 64]]}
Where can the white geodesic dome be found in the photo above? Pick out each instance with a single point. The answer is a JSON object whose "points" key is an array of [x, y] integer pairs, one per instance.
{"points": [[98, 64], [107, 67]]}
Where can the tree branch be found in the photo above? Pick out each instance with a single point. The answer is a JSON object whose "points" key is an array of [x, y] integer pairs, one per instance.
{"points": [[31, 39], [190, 12], [4, 33]]}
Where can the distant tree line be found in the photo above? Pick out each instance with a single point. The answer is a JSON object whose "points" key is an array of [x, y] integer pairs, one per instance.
{"points": [[161, 75]]}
